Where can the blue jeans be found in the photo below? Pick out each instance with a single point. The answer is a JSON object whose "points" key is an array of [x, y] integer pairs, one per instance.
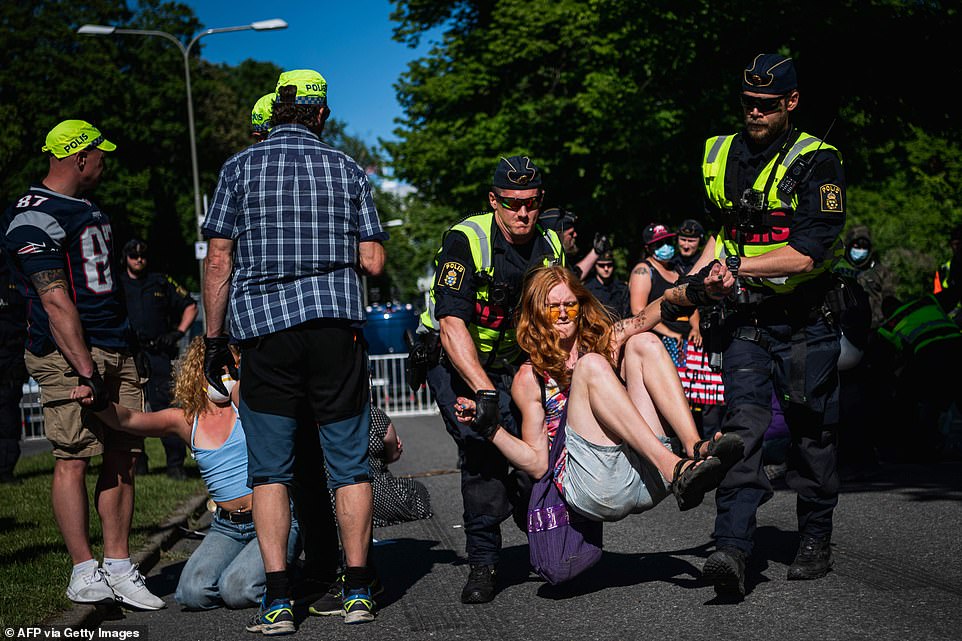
{"points": [[227, 569]]}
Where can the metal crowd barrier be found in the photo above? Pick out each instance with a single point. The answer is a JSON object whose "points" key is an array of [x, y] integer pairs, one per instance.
{"points": [[31, 413], [389, 391]]}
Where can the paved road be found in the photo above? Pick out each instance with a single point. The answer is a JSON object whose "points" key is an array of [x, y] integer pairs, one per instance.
{"points": [[898, 572]]}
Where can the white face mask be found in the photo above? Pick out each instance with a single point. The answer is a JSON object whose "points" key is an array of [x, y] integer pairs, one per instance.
{"points": [[215, 396]]}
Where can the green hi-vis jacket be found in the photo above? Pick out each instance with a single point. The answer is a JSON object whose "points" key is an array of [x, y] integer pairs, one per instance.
{"points": [[918, 324], [479, 230], [713, 170]]}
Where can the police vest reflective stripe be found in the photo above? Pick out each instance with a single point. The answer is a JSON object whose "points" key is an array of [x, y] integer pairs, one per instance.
{"points": [[919, 323], [478, 229], [713, 171]]}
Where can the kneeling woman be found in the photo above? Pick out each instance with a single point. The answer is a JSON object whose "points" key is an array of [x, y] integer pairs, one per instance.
{"points": [[227, 568], [617, 462]]}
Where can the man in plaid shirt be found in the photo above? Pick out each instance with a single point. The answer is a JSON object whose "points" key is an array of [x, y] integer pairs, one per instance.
{"points": [[292, 228]]}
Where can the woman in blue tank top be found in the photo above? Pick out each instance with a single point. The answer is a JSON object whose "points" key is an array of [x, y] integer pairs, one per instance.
{"points": [[226, 569]]}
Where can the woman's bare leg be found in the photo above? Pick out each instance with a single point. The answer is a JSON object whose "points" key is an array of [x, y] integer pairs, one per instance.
{"points": [[653, 382], [600, 411]]}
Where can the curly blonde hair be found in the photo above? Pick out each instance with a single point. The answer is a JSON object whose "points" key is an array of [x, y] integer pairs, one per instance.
{"points": [[536, 333], [190, 385]]}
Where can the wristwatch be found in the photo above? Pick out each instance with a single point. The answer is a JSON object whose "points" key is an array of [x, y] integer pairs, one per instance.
{"points": [[733, 263]]}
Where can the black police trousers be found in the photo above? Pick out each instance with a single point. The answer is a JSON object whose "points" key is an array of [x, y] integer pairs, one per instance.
{"points": [[751, 369], [489, 489]]}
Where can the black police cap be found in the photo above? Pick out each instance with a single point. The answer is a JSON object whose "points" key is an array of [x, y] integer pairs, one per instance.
{"points": [[691, 228], [517, 172], [770, 73], [557, 219], [135, 246]]}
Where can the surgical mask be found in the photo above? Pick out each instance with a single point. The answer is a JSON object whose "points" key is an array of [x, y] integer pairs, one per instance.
{"points": [[215, 396], [858, 255], [665, 252]]}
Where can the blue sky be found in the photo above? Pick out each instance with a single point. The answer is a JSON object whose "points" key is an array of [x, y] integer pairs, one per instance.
{"points": [[348, 42]]}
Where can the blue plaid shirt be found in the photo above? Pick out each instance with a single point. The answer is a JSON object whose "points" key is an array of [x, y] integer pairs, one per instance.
{"points": [[296, 210]]}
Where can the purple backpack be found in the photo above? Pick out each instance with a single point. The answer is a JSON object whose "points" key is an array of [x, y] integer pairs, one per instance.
{"points": [[562, 543]]}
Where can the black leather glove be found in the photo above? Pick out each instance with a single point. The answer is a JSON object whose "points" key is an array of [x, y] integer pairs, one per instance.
{"points": [[695, 292], [170, 339], [217, 356], [601, 244], [486, 413], [95, 382]]}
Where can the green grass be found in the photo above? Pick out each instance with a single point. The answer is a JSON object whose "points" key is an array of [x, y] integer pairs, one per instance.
{"points": [[34, 565]]}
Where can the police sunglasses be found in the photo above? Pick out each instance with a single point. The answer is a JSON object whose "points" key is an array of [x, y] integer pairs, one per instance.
{"points": [[514, 204], [764, 105]]}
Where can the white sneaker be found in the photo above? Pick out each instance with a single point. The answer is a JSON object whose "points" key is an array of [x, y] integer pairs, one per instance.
{"points": [[129, 589], [90, 588]]}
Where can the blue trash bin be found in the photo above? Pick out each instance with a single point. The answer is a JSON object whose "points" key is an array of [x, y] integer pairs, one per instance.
{"points": [[385, 327]]}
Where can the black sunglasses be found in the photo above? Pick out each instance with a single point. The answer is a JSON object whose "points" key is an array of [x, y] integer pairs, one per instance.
{"points": [[604, 265], [764, 105], [136, 256]]}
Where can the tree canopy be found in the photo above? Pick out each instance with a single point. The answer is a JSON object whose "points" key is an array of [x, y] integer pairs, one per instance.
{"points": [[615, 99]]}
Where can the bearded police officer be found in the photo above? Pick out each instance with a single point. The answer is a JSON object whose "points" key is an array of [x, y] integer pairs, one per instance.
{"points": [[779, 195], [477, 284]]}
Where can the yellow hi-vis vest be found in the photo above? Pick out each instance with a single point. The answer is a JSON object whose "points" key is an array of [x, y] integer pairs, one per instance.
{"points": [[479, 230], [917, 324], [773, 237]]}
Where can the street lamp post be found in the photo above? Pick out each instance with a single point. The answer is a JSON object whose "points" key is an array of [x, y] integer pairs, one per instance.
{"points": [[260, 25]]}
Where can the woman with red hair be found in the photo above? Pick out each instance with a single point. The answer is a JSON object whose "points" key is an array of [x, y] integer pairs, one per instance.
{"points": [[605, 385]]}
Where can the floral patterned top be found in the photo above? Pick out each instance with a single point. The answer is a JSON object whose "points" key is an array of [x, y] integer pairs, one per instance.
{"points": [[555, 401]]}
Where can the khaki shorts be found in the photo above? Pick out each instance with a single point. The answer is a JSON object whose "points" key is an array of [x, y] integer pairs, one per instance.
{"points": [[73, 431]]}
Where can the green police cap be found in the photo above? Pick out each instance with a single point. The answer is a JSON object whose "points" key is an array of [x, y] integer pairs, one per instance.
{"points": [[311, 86], [72, 136]]}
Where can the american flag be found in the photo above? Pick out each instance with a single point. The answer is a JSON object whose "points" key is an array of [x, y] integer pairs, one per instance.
{"points": [[702, 385]]}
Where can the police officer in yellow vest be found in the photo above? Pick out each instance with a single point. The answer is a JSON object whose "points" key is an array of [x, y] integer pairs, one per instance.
{"points": [[477, 284], [779, 197]]}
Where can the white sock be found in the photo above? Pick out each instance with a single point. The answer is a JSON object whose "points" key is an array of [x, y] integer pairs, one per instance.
{"points": [[87, 567], [117, 566]]}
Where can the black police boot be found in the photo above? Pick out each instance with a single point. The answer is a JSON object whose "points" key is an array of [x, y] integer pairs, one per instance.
{"points": [[725, 569], [480, 585], [813, 561]]}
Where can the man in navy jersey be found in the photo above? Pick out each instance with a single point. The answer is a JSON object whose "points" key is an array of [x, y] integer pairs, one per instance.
{"points": [[59, 246]]}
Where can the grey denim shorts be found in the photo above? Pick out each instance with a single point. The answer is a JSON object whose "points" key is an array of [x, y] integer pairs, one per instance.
{"points": [[609, 482]]}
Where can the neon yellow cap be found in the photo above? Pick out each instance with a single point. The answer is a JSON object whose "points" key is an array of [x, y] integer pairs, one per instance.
{"points": [[72, 136], [311, 86], [261, 114]]}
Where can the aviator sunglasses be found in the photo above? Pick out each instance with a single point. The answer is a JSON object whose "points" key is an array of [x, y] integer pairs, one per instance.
{"points": [[571, 309]]}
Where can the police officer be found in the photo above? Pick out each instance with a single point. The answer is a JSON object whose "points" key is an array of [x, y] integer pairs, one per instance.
{"points": [[160, 313], [610, 290], [13, 371], [563, 222], [779, 194], [477, 284]]}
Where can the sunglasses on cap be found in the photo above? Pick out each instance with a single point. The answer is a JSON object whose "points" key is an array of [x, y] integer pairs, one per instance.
{"points": [[571, 310], [764, 105], [514, 204]]}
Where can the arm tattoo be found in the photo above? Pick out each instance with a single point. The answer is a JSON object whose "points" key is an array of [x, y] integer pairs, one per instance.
{"points": [[49, 280], [640, 270]]}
